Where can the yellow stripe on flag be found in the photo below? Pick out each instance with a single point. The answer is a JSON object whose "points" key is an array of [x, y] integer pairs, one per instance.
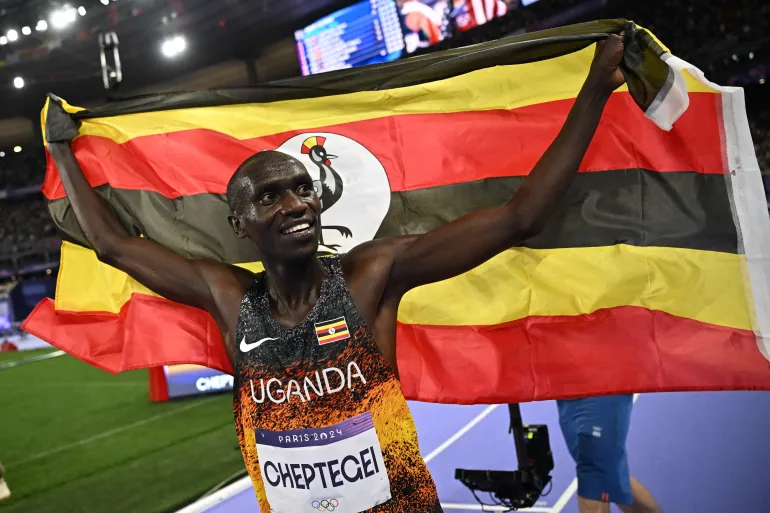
{"points": [[500, 87], [108, 288], [330, 336], [705, 286], [331, 325]]}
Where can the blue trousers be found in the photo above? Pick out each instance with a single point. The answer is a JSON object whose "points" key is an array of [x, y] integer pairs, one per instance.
{"points": [[595, 430]]}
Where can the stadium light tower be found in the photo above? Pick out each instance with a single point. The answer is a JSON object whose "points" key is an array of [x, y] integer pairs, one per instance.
{"points": [[112, 74]]}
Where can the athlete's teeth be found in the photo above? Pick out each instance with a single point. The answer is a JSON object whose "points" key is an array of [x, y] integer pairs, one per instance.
{"points": [[297, 228]]}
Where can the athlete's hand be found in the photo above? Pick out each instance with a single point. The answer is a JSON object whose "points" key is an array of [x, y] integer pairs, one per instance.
{"points": [[59, 125], [605, 73]]}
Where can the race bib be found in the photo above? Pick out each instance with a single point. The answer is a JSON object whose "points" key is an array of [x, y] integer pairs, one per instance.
{"points": [[339, 468]]}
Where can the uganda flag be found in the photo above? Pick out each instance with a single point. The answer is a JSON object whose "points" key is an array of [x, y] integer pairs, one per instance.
{"points": [[652, 276], [332, 331]]}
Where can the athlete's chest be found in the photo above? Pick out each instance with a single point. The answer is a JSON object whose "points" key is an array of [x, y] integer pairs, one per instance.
{"points": [[330, 358], [324, 334]]}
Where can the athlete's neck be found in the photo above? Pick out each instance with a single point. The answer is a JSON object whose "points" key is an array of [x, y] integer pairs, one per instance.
{"points": [[294, 288]]}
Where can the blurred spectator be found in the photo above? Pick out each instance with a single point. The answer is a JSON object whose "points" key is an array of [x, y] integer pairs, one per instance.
{"points": [[22, 169], [25, 223], [702, 31]]}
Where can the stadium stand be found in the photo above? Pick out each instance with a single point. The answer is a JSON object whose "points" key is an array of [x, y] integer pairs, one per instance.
{"points": [[21, 169]]}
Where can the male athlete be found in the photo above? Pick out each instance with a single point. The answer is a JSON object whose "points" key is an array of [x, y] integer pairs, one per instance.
{"points": [[320, 416]]}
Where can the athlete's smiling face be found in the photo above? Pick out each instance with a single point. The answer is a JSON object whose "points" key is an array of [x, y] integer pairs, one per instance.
{"points": [[274, 204]]}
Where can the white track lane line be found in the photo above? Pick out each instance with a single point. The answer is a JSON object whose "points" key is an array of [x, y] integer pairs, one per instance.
{"points": [[95, 384], [106, 434], [572, 488], [478, 507], [206, 503], [452, 439]]}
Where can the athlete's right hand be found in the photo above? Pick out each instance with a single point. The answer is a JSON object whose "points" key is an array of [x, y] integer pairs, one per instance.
{"points": [[59, 125], [606, 73]]}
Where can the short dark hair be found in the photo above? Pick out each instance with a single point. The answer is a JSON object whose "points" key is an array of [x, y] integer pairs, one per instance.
{"points": [[236, 189]]}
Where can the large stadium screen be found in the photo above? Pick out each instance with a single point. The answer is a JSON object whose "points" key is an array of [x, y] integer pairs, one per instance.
{"points": [[364, 33], [426, 22], [187, 380]]}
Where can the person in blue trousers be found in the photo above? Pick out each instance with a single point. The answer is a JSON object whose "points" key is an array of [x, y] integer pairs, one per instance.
{"points": [[595, 429]]}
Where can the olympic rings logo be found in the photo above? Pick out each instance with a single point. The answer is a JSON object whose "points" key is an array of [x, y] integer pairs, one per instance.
{"points": [[325, 505]]}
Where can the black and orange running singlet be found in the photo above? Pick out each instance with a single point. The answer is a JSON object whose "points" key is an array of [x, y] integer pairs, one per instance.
{"points": [[321, 419]]}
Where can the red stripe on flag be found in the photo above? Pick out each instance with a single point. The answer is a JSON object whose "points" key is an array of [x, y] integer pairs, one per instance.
{"points": [[148, 332], [459, 147], [614, 351], [334, 339]]}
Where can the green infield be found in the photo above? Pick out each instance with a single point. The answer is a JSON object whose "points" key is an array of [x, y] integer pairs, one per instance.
{"points": [[76, 439]]}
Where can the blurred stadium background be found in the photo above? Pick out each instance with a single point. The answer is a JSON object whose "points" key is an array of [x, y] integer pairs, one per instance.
{"points": [[76, 439]]}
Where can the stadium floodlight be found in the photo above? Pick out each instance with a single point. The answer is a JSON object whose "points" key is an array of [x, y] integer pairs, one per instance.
{"points": [[17, 149], [2, 154], [63, 17], [41, 26], [12, 35], [174, 46], [82, 10], [105, 2], [26, 31], [3, 40], [18, 82]]}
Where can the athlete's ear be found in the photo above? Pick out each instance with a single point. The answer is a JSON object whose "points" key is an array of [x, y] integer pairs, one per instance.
{"points": [[237, 225]]}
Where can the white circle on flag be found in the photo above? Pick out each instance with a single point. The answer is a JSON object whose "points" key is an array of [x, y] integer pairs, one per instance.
{"points": [[354, 212]]}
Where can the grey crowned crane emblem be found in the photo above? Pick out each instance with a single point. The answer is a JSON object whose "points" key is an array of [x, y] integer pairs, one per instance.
{"points": [[329, 185]]}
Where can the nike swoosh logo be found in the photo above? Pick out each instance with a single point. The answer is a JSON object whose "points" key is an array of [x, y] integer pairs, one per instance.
{"points": [[248, 347]]}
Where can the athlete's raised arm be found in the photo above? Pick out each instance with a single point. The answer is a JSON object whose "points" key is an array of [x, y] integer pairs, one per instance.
{"points": [[200, 283], [471, 240]]}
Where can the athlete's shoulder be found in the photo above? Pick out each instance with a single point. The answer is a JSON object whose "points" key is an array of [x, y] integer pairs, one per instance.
{"points": [[221, 276], [375, 255]]}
